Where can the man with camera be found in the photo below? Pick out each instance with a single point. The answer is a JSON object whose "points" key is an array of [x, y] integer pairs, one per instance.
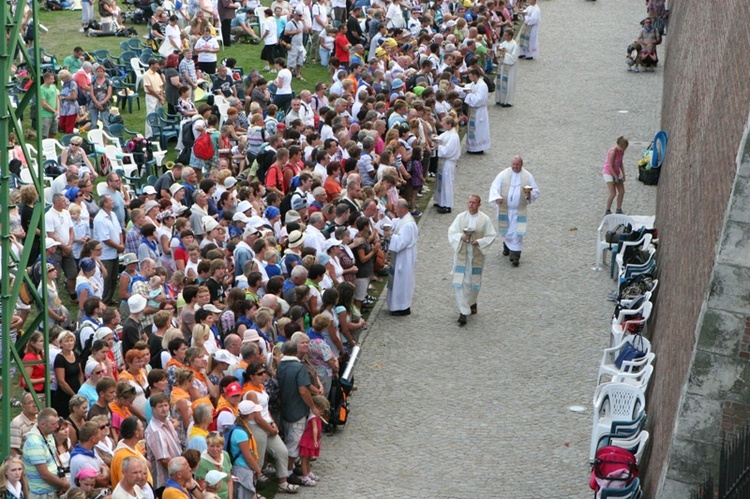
{"points": [[43, 467]]}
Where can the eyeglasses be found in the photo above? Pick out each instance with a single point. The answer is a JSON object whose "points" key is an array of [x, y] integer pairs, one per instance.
{"points": [[103, 493], [79, 195]]}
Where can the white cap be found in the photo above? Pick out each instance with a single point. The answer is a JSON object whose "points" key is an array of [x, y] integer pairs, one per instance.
{"points": [[230, 182], [136, 303], [211, 308], [214, 477], [247, 407], [51, 243], [224, 356], [240, 217], [149, 190], [244, 206]]}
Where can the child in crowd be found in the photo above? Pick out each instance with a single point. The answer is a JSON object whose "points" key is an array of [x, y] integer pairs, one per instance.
{"points": [[272, 124], [271, 257], [239, 155], [13, 481], [175, 284], [191, 268], [81, 230], [309, 445], [649, 59], [155, 291], [417, 173]]}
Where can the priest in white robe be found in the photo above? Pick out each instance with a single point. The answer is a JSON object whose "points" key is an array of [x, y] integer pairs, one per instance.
{"points": [[449, 150], [512, 191], [532, 16], [402, 274], [471, 234], [478, 131], [505, 85]]}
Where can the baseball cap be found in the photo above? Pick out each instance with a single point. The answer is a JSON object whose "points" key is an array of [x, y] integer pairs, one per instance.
{"points": [[72, 193], [240, 217], [224, 356], [232, 389], [214, 477], [211, 308], [210, 224], [50, 243], [149, 190]]}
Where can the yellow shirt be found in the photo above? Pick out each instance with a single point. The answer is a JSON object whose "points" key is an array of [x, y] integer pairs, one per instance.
{"points": [[153, 80], [173, 493], [121, 452]]}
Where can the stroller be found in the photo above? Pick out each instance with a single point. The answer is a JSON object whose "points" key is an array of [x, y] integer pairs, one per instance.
{"points": [[138, 11]]}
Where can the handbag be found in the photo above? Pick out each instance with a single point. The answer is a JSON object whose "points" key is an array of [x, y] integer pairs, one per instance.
{"points": [[630, 352]]}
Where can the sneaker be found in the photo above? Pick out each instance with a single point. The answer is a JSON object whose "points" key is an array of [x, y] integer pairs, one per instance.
{"points": [[15, 402], [619, 212], [307, 481], [637, 70], [419, 194], [81, 30], [314, 476], [416, 213], [269, 470], [608, 212]]}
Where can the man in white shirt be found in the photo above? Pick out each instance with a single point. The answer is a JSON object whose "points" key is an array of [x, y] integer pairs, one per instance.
{"points": [[319, 23], [59, 227], [133, 469], [314, 238]]}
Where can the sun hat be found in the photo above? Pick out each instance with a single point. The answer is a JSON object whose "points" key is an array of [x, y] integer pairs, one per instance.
{"points": [[230, 182], [299, 203], [255, 222], [224, 356], [296, 238], [129, 258], [210, 224], [244, 206], [397, 83], [175, 187], [150, 205], [250, 335], [137, 304], [240, 217], [292, 216], [247, 407], [51, 243], [149, 190]]}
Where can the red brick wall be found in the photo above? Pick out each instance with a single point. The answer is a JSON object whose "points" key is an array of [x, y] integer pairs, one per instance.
{"points": [[705, 108]]}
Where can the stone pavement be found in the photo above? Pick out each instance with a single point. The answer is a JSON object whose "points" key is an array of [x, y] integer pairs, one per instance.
{"points": [[483, 411]]}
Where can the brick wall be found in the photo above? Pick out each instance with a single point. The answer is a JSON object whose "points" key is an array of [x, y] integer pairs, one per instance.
{"points": [[705, 109]]}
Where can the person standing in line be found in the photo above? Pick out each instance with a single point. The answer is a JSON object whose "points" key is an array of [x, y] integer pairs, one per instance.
{"points": [[532, 16], [614, 174], [478, 132], [153, 86], [402, 274], [506, 74], [449, 150], [513, 190], [471, 234], [107, 229], [227, 12]]}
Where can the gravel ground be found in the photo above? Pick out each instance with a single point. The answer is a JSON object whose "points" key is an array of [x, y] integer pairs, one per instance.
{"points": [[483, 410]]}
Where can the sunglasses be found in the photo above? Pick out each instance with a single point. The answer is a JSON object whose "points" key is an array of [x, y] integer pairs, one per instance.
{"points": [[97, 372], [101, 427], [103, 493]]}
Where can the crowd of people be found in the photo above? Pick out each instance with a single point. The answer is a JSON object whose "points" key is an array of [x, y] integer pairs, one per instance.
{"points": [[212, 312]]}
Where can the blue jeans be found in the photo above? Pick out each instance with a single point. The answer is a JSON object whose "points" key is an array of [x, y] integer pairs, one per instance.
{"points": [[324, 55], [96, 115]]}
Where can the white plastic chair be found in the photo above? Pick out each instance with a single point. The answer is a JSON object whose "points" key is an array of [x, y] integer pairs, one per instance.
{"points": [[223, 104], [631, 270], [609, 222], [48, 195], [642, 243], [639, 379], [32, 156], [618, 331], [636, 445], [158, 153], [138, 70], [100, 139], [616, 402], [621, 322], [25, 176], [608, 366], [50, 148], [100, 188]]}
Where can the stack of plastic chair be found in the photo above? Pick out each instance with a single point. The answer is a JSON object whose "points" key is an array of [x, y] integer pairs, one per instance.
{"points": [[615, 402]]}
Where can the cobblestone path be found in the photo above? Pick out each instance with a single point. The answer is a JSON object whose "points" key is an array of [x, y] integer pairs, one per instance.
{"points": [[483, 410]]}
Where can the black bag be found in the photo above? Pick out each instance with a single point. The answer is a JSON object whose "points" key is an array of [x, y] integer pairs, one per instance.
{"points": [[490, 83], [188, 139], [265, 159], [614, 236], [53, 5], [648, 175]]}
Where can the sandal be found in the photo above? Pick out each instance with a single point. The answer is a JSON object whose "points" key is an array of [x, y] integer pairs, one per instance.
{"points": [[307, 481], [288, 488]]}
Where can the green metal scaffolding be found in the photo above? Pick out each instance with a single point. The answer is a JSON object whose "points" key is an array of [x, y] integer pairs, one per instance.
{"points": [[13, 103]]}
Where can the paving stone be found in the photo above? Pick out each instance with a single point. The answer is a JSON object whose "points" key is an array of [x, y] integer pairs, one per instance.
{"points": [[482, 411]]}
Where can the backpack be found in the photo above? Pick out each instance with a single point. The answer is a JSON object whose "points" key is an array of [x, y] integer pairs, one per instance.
{"points": [[286, 203], [213, 425], [613, 464], [265, 159], [228, 443], [613, 236], [188, 139], [203, 147], [339, 410], [490, 83], [53, 5], [224, 332]]}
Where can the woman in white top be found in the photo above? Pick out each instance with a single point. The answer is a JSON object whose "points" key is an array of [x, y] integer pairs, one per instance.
{"points": [[206, 47], [164, 237], [172, 42], [270, 39], [283, 82]]}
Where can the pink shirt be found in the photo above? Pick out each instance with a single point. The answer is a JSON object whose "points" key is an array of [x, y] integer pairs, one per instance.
{"points": [[615, 169]]}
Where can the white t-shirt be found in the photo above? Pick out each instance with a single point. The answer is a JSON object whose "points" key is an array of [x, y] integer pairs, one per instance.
{"points": [[272, 38], [338, 3], [284, 82], [320, 11], [60, 222], [202, 44]]}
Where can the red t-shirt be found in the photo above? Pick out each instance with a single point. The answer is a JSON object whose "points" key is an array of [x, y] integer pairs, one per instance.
{"points": [[340, 48], [274, 178], [180, 254]]}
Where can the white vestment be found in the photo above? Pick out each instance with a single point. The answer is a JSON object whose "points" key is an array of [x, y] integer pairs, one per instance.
{"points": [[449, 150], [402, 275], [506, 74], [478, 132], [513, 240], [464, 261], [532, 16]]}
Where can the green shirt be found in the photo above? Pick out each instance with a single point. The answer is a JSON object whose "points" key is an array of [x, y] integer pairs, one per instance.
{"points": [[204, 466], [49, 95], [37, 451], [73, 64]]}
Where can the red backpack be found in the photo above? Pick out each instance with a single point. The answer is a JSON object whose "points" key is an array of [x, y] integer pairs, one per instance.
{"points": [[613, 464], [213, 426], [203, 147]]}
